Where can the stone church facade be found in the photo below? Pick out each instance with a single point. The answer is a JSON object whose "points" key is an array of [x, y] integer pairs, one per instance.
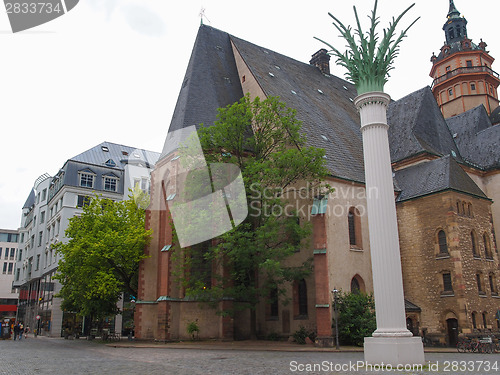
{"points": [[446, 180]]}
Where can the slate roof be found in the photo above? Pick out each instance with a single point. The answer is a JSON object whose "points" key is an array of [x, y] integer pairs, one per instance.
{"points": [[477, 139], [30, 201], [435, 176], [329, 112], [119, 154], [324, 104], [417, 126], [411, 307], [211, 81]]}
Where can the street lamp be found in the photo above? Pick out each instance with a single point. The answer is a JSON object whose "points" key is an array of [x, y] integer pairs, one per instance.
{"points": [[335, 292]]}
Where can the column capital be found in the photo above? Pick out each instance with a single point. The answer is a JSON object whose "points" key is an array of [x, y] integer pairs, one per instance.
{"points": [[373, 97]]}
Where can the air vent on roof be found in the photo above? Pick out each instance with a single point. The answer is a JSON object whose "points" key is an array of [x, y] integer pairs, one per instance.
{"points": [[271, 74], [322, 136], [219, 48], [105, 148], [345, 88], [266, 51], [277, 67], [453, 153], [321, 92], [351, 99], [293, 92], [455, 135]]}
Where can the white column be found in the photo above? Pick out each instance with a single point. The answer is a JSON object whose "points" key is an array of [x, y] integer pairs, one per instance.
{"points": [[391, 343]]}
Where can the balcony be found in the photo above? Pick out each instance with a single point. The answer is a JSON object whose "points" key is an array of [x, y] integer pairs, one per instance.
{"points": [[465, 70]]}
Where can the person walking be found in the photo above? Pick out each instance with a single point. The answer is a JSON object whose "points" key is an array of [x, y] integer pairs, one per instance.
{"points": [[16, 331], [21, 330]]}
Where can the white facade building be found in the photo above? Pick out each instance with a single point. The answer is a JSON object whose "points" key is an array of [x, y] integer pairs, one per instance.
{"points": [[109, 170]]}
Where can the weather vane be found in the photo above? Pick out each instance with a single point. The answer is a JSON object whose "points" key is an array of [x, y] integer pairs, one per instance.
{"points": [[202, 15]]}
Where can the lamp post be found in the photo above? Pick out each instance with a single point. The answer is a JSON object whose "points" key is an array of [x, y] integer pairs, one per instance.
{"points": [[335, 291]]}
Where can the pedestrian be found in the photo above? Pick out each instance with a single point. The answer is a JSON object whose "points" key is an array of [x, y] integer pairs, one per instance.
{"points": [[21, 330], [16, 330], [26, 331]]}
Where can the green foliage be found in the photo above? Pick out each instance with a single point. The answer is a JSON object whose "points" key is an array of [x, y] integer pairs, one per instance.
{"points": [[193, 328], [368, 65], [263, 139], [101, 258], [356, 317], [301, 334]]}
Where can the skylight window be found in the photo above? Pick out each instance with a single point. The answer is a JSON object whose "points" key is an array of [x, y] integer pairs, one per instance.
{"points": [[277, 67], [351, 99], [110, 163], [105, 148], [293, 92], [125, 153], [321, 92], [325, 138], [345, 88], [271, 74]]}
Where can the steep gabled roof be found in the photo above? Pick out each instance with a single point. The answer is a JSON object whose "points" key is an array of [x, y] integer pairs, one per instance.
{"points": [[477, 140], [323, 104], [30, 201], [417, 126], [211, 81], [105, 152], [433, 177]]}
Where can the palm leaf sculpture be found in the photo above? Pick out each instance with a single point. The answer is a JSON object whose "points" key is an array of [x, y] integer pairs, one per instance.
{"points": [[368, 65]]}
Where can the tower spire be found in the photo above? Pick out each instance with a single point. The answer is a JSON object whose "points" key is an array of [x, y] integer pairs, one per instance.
{"points": [[453, 12]]}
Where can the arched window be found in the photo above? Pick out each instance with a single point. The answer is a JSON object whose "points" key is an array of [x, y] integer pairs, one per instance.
{"points": [[474, 322], [493, 284], [487, 247], [443, 245], [479, 281], [354, 285], [473, 240], [469, 209], [357, 284], [485, 322], [354, 226]]}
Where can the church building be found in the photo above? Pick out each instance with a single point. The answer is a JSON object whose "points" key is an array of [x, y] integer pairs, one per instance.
{"points": [[446, 164]]}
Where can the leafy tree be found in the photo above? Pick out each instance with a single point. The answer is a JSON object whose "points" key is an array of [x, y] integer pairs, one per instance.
{"points": [[356, 317], [263, 138], [101, 259]]}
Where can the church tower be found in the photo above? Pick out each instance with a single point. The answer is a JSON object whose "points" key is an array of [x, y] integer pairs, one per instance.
{"points": [[462, 73]]}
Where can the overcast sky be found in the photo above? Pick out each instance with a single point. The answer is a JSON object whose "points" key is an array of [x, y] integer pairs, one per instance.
{"points": [[111, 70]]}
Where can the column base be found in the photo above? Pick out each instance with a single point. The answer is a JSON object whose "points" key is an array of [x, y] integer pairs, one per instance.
{"points": [[394, 350], [324, 342]]}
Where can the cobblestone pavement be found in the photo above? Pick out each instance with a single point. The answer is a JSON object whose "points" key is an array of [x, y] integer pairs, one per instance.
{"points": [[58, 357]]}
